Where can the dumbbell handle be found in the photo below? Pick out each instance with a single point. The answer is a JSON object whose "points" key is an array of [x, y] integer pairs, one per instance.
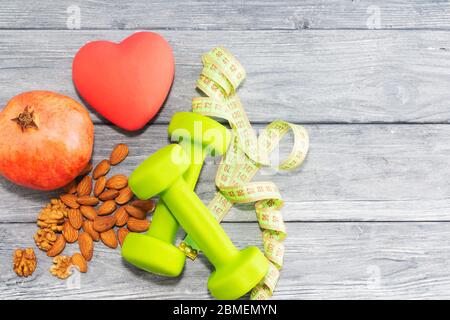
{"points": [[164, 225], [199, 223]]}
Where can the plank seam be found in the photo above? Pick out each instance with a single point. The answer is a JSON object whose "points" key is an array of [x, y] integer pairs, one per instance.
{"points": [[165, 123], [294, 221], [225, 29]]}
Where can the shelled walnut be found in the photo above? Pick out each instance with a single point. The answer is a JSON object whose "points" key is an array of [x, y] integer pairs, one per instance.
{"points": [[52, 216], [24, 262], [45, 238], [62, 267]]}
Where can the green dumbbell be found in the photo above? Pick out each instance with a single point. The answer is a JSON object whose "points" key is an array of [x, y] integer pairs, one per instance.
{"points": [[154, 251], [236, 272]]}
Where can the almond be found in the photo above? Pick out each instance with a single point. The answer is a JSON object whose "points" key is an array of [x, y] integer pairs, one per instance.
{"points": [[138, 225], [70, 200], [121, 217], [146, 205], [86, 245], [118, 154], [88, 200], [102, 224], [88, 226], [80, 262], [117, 182], [108, 195], [75, 218], [124, 196], [86, 170], [57, 247], [71, 187], [69, 232], [106, 208], [99, 186], [101, 169], [135, 212], [121, 234], [84, 187], [88, 212], [109, 238]]}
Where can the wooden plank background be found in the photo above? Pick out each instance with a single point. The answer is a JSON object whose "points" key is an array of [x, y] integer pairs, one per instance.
{"points": [[324, 76], [368, 213]]}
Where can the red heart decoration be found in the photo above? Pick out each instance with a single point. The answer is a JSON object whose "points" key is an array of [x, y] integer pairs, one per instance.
{"points": [[126, 82]]}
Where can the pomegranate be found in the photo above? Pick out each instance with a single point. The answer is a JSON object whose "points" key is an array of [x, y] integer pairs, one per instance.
{"points": [[46, 139]]}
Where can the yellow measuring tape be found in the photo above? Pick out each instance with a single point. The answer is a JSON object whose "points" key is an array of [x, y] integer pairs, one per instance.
{"points": [[221, 76]]}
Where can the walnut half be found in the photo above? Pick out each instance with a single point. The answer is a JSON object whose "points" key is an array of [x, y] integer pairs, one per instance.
{"points": [[62, 267], [45, 238], [52, 216], [24, 262]]}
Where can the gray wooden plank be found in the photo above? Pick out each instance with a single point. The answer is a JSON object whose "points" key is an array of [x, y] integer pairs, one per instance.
{"points": [[323, 261], [227, 14], [352, 173], [319, 76]]}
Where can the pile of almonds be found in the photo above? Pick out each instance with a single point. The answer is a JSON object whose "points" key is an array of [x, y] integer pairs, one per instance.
{"points": [[92, 209]]}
